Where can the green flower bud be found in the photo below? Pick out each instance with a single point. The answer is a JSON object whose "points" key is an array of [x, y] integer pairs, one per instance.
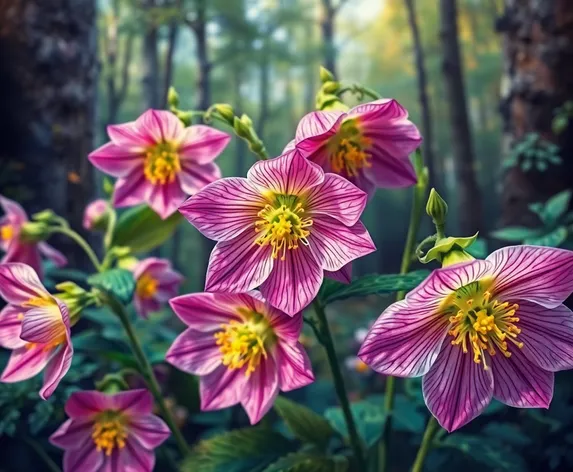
{"points": [[76, 299], [331, 87], [326, 75], [33, 231], [240, 128], [225, 110], [172, 97], [246, 120], [437, 208], [112, 383], [45, 216], [184, 116]]}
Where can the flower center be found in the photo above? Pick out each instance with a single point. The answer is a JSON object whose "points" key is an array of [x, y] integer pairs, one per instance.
{"points": [[350, 156], [243, 342], [109, 432], [482, 324], [6, 232], [161, 164], [146, 286], [282, 227]]}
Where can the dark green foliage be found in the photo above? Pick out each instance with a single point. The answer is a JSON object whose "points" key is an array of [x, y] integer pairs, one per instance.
{"points": [[117, 282], [533, 153], [308, 462]]}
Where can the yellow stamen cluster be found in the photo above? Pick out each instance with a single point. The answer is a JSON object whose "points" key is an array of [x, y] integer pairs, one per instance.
{"points": [[282, 227], [350, 155], [161, 164], [6, 232], [109, 432], [482, 324], [146, 286]]}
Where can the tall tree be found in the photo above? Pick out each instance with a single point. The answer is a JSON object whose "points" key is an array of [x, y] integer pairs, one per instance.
{"points": [[150, 56], [171, 46], [47, 76], [327, 26], [538, 69], [468, 201]]}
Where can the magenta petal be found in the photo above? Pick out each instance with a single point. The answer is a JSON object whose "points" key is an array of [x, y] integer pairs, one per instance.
{"points": [[44, 324], [13, 210], [135, 458], [224, 209], [336, 197], [150, 430], [202, 144], [289, 174], [238, 265], [287, 328], [166, 199], [222, 388], [132, 189], [85, 458], [519, 382], [56, 369], [405, 340], [72, 433], [87, 403], [318, 124], [11, 327], [25, 363], [115, 161], [133, 402], [19, 283], [195, 352], [261, 390], [194, 177], [294, 281], [456, 389], [379, 112], [542, 275], [387, 171], [160, 126], [335, 245], [129, 137], [343, 275], [151, 265], [25, 253], [206, 311], [52, 254], [295, 369]]}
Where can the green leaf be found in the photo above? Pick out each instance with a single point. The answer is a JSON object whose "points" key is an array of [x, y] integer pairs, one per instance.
{"points": [[478, 249], [332, 291], [552, 239], [515, 233], [118, 282], [506, 433], [304, 423], [141, 229], [556, 206], [40, 417], [369, 420], [242, 450], [559, 123], [307, 462]]}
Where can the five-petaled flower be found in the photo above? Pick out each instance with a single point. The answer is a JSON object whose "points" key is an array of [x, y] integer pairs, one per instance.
{"points": [[115, 433], [35, 326], [244, 350], [155, 283], [280, 228], [17, 248], [370, 144], [158, 161], [494, 327]]}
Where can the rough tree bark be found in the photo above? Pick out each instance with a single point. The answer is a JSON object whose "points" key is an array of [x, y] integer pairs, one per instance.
{"points": [[150, 58], [327, 27], [264, 64], [538, 53], [47, 91], [468, 196]]}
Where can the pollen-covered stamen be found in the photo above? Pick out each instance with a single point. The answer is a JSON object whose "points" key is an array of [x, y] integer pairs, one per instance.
{"points": [[146, 286], [161, 164], [109, 432], [7, 232], [350, 155], [282, 227]]}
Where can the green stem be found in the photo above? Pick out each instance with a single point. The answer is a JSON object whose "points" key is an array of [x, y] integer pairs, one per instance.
{"points": [[339, 386], [70, 233], [357, 89], [147, 372], [52, 466], [426, 445], [110, 228]]}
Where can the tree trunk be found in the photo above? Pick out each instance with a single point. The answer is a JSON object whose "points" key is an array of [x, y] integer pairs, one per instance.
{"points": [[425, 108], [538, 53], [150, 58], [310, 71], [264, 112], [468, 196], [327, 27], [47, 89], [241, 147], [171, 45]]}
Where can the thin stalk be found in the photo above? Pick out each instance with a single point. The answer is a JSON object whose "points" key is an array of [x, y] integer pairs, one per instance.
{"points": [[147, 372], [110, 228], [360, 90], [426, 445], [52, 466], [70, 233], [328, 343]]}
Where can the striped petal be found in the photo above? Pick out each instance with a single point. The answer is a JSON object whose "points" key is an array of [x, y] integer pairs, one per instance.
{"points": [[84, 404], [206, 312], [294, 367], [56, 369], [149, 430], [194, 177], [115, 160], [319, 125], [133, 402], [19, 283], [84, 457], [160, 126], [11, 327], [25, 362], [25, 253], [165, 199], [195, 352], [13, 211], [72, 433], [222, 388], [202, 144], [135, 458], [343, 275], [261, 390], [129, 137], [132, 189], [45, 324]]}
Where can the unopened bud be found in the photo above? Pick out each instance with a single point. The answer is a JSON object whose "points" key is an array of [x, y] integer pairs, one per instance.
{"points": [[96, 215], [331, 87], [240, 128], [326, 75], [185, 117], [172, 97], [44, 216], [225, 110], [34, 231], [437, 208], [246, 120]]}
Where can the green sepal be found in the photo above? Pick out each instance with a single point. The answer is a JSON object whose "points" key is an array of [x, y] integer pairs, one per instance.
{"points": [[446, 245]]}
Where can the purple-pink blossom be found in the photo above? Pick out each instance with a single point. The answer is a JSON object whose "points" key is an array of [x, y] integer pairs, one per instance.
{"points": [[95, 215], [155, 283], [16, 246], [243, 349], [281, 229], [481, 329], [35, 326], [159, 161], [370, 144], [112, 433]]}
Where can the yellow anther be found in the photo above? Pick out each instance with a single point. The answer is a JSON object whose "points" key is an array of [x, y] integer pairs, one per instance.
{"points": [[146, 286], [109, 432], [350, 156], [161, 164], [6, 232]]}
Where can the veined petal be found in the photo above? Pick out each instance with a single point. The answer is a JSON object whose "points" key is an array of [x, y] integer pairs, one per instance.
{"points": [[85, 457], [11, 327], [319, 125], [24, 253], [456, 389], [160, 126], [287, 328], [85, 404], [202, 144], [343, 275], [289, 174], [388, 171], [238, 265], [133, 402], [335, 245], [261, 390], [165, 199], [294, 281], [294, 367], [45, 324], [194, 177], [19, 283], [336, 197], [151, 265], [224, 209], [542, 275], [135, 458], [405, 340], [222, 388], [379, 112], [195, 352], [206, 312], [13, 210], [25, 362], [115, 161], [519, 382], [132, 189], [129, 137], [72, 433], [56, 368], [150, 430], [52, 254]]}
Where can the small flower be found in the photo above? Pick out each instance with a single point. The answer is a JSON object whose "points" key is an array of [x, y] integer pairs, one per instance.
{"points": [[369, 145], [282, 228], [494, 327], [16, 246], [115, 433], [243, 349], [155, 283], [158, 161], [35, 326], [96, 215]]}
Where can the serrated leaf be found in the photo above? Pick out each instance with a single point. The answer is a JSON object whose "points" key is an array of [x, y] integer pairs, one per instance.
{"points": [[141, 229], [369, 419], [304, 423], [515, 233], [372, 284], [307, 462], [552, 239], [118, 282]]}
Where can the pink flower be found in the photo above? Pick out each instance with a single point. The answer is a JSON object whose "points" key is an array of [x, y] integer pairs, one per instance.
{"points": [[369, 145], [493, 327], [158, 161], [35, 326], [17, 249], [111, 433], [95, 215], [280, 228], [243, 349], [156, 282]]}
